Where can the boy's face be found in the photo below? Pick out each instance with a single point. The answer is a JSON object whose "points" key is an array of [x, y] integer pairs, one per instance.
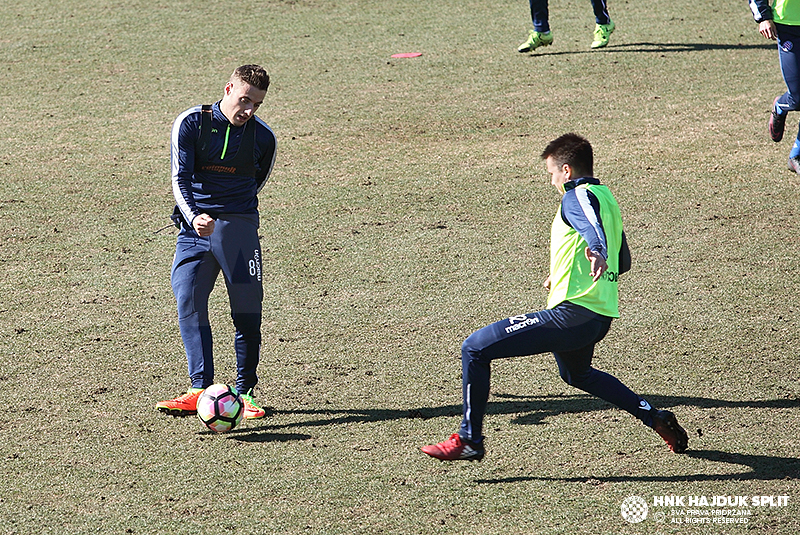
{"points": [[559, 174], [240, 101]]}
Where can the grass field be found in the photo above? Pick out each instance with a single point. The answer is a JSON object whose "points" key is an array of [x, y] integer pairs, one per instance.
{"points": [[407, 208]]}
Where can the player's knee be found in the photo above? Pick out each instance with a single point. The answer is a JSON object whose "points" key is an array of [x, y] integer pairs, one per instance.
{"points": [[248, 324], [574, 377], [578, 380], [565, 376], [469, 351], [473, 351]]}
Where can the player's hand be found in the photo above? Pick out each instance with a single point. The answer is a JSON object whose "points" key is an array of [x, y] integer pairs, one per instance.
{"points": [[767, 29], [546, 283], [598, 264], [203, 225]]}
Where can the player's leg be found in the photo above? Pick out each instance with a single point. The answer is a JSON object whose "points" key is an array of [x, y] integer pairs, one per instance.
{"points": [[527, 334], [194, 272], [575, 368], [786, 102], [600, 8], [240, 257], [541, 34], [788, 41], [603, 24], [540, 15]]}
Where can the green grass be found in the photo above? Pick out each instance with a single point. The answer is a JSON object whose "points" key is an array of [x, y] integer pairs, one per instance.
{"points": [[407, 208]]}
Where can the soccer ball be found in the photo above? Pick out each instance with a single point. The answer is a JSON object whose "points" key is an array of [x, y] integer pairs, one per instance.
{"points": [[220, 408]]}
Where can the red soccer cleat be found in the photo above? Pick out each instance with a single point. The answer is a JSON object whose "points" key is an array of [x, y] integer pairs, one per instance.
{"points": [[454, 449], [777, 123], [666, 425], [182, 405]]}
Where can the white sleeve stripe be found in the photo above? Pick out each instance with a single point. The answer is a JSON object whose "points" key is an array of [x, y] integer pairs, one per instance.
{"points": [[274, 153], [175, 158], [586, 207], [754, 9]]}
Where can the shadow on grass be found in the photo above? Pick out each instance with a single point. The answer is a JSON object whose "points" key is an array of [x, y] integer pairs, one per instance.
{"points": [[658, 48], [542, 407], [761, 468], [532, 410], [249, 435]]}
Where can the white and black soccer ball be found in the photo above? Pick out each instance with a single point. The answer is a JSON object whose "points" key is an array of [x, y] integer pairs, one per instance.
{"points": [[220, 408]]}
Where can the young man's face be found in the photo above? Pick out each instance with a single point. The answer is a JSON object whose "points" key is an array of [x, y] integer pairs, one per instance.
{"points": [[240, 101], [559, 174]]}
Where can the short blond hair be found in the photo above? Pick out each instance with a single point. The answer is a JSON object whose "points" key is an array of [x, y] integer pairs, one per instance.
{"points": [[254, 75]]}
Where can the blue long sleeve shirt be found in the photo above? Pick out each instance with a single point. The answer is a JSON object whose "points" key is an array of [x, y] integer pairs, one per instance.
{"points": [[220, 191], [761, 10]]}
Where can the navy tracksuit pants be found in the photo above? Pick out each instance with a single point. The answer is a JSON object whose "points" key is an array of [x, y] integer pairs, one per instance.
{"points": [[570, 332], [788, 44], [540, 14], [234, 250]]}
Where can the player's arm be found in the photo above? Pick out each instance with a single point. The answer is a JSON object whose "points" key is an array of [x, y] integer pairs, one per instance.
{"points": [[580, 209], [762, 14], [624, 256], [268, 144], [599, 264], [761, 10], [185, 132]]}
